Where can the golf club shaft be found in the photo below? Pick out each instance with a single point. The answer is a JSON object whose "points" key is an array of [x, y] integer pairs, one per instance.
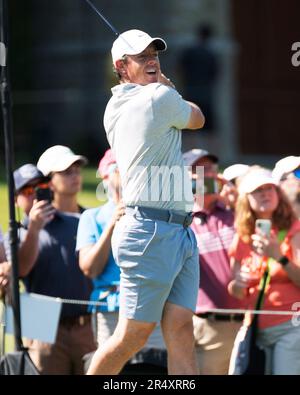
{"points": [[103, 18]]}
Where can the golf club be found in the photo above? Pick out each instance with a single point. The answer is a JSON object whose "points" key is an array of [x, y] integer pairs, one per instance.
{"points": [[103, 18]]}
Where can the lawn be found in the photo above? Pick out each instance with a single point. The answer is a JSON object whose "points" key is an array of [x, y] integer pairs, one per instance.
{"points": [[87, 197]]}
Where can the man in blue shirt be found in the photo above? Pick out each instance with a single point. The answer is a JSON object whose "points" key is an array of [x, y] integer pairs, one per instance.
{"points": [[48, 265], [94, 245]]}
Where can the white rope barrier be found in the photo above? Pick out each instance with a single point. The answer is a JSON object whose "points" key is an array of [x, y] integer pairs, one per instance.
{"points": [[218, 311]]}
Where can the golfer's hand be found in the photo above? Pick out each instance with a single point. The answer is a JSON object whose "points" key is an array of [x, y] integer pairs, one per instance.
{"points": [[41, 214], [166, 81]]}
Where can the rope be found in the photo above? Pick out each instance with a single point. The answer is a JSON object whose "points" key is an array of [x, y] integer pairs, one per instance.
{"points": [[221, 311]]}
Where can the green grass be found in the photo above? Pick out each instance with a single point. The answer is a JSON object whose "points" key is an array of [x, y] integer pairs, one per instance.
{"points": [[87, 198]]}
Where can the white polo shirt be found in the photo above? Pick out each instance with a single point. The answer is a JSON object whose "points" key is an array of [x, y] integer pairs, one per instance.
{"points": [[143, 128]]}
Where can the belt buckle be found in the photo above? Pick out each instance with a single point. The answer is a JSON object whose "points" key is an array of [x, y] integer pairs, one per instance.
{"points": [[188, 220]]}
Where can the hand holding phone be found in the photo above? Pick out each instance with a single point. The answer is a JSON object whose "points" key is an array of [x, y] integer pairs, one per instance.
{"points": [[44, 194]]}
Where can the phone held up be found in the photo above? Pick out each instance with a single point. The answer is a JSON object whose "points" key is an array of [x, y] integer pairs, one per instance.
{"points": [[263, 227], [44, 193]]}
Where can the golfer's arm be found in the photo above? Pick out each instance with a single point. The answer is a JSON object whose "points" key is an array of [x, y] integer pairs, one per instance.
{"points": [[197, 118]]}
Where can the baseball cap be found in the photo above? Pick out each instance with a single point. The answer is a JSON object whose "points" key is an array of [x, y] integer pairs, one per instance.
{"points": [[25, 174], [192, 156], [133, 42], [285, 165], [255, 178], [234, 171], [106, 163], [58, 158]]}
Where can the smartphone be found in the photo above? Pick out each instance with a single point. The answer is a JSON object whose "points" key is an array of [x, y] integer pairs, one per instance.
{"points": [[263, 227], [44, 194], [211, 185]]}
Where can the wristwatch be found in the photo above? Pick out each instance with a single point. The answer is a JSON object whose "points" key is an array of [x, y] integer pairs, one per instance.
{"points": [[283, 260]]}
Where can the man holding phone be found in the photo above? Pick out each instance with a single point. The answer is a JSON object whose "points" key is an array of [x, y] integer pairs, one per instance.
{"points": [[48, 265], [63, 167], [213, 227]]}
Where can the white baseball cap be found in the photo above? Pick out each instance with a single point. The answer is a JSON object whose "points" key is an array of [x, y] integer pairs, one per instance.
{"points": [[285, 165], [58, 158], [234, 171], [133, 42], [255, 178], [195, 154]]}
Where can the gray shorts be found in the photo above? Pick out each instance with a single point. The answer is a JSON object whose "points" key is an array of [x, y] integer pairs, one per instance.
{"points": [[159, 262]]}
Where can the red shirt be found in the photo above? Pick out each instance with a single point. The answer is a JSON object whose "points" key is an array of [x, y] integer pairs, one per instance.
{"points": [[281, 293], [214, 233]]}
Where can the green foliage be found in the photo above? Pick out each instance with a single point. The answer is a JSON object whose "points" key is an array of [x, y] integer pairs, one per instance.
{"points": [[87, 198]]}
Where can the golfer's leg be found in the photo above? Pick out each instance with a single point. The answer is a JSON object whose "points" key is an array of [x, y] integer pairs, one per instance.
{"points": [[177, 327], [129, 337]]}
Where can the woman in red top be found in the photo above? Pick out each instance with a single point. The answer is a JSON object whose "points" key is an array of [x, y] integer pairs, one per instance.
{"points": [[261, 198]]}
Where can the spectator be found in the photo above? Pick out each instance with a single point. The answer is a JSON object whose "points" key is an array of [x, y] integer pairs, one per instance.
{"points": [[287, 172], [48, 265], [5, 268], [96, 260], [232, 175], [261, 198], [64, 167], [198, 68], [213, 227]]}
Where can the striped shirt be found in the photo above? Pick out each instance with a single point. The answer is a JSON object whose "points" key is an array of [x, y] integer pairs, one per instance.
{"points": [[214, 232]]}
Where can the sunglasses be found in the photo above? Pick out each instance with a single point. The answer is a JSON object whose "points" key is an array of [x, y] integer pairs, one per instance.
{"points": [[31, 189]]}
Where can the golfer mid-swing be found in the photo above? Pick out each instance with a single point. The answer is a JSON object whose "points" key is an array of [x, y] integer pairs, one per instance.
{"points": [[152, 243]]}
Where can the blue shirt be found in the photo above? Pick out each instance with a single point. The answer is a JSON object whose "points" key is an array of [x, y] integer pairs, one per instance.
{"points": [[56, 271], [91, 225]]}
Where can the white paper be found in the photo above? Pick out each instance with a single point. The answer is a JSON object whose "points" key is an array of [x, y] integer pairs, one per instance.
{"points": [[39, 318]]}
